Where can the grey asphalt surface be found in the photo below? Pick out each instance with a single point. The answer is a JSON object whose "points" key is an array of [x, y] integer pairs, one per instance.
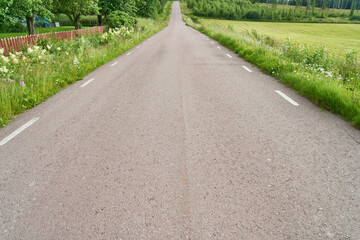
{"points": [[179, 141]]}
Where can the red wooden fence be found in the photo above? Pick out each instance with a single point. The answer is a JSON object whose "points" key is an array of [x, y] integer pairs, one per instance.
{"points": [[19, 43]]}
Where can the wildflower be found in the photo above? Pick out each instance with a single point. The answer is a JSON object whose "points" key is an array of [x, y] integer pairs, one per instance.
{"points": [[5, 59], [11, 81], [43, 51], [4, 69], [1, 51], [18, 53], [30, 50], [66, 53], [40, 57], [59, 48], [12, 56], [23, 58], [15, 60], [22, 83], [48, 47], [76, 61], [36, 48]]}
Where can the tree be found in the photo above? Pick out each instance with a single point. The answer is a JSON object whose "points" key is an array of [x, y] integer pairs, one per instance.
{"points": [[353, 7], [28, 9], [74, 9], [108, 6], [4, 9]]}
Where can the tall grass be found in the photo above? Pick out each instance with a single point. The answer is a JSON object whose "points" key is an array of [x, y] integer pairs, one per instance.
{"points": [[329, 80], [27, 78]]}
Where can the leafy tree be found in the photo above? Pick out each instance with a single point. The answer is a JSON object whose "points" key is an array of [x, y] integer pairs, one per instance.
{"points": [[74, 9], [353, 7], [28, 9], [4, 9], [108, 6]]}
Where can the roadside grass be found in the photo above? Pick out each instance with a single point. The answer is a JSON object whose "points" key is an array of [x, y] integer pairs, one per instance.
{"points": [[336, 37], [39, 31], [327, 79], [27, 78]]}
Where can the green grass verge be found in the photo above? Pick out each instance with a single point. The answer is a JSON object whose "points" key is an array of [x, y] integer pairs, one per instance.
{"points": [[309, 79], [46, 71]]}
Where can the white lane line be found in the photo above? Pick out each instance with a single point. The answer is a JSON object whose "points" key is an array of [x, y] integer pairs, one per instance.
{"points": [[218, 47], [287, 98], [19, 130], [138, 47], [129, 54], [212, 42], [229, 55], [87, 82], [246, 69], [207, 39], [114, 63]]}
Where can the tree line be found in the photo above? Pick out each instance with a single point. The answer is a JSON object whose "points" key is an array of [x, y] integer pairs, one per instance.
{"points": [[258, 10], [13, 11]]}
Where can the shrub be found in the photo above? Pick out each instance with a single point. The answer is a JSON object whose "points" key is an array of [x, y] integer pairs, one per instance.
{"points": [[252, 15], [355, 18], [118, 19]]}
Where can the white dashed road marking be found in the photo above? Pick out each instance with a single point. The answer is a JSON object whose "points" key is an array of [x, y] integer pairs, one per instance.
{"points": [[19, 130], [87, 82], [129, 54], [114, 63], [287, 98], [246, 69], [229, 55]]}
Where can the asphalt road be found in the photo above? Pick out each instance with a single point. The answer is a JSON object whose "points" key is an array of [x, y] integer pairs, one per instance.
{"points": [[177, 140]]}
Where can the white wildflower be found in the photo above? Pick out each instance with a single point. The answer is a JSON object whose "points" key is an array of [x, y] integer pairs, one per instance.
{"points": [[48, 47], [66, 53], [59, 48], [15, 60], [5, 59], [18, 53], [1, 51], [36, 48], [4, 69], [30, 50], [40, 57]]}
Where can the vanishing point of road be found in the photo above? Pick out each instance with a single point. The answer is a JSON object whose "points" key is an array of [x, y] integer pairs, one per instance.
{"points": [[179, 138]]}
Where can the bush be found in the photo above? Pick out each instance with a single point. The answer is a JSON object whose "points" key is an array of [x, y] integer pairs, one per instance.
{"points": [[17, 27], [252, 15], [118, 19], [355, 18]]}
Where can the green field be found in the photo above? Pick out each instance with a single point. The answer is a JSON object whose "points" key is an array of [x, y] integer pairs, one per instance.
{"points": [[39, 31], [337, 37]]}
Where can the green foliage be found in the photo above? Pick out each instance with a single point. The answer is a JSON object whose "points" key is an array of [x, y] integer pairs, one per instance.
{"points": [[150, 8], [245, 9], [252, 15], [74, 9], [118, 19]]}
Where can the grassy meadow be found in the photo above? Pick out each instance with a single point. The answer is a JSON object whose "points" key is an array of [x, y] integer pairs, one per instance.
{"points": [[336, 37]]}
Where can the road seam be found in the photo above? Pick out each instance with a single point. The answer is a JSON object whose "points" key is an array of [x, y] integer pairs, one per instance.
{"points": [[287, 98], [19, 130]]}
